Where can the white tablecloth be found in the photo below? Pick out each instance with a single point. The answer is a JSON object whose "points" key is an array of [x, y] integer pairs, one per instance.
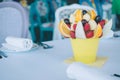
{"points": [[48, 64]]}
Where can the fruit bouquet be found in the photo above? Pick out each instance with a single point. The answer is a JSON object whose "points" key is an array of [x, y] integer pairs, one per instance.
{"points": [[84, 28]]}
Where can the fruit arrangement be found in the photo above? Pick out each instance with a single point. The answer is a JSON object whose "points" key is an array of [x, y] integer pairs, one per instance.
{"points": [[82, 24]]}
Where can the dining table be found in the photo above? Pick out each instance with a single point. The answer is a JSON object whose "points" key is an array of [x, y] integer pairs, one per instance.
{"points": [[49, 64]]}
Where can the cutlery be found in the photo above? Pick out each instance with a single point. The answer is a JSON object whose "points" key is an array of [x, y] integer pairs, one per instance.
{"points": [[0, 57], [46, 46], [116, 75]]}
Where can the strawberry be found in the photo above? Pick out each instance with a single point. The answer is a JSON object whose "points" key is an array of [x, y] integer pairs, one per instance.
{"points": [[102, 23], [86, 27], [89, 34], [72, 34], [74, 26]]}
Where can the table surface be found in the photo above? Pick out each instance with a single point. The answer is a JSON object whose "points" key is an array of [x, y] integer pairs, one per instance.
{"points": [[48, 64]]}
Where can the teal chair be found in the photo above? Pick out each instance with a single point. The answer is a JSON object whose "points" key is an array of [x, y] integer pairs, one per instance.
{"points": [[34, 22], [46, 23], [39, 21]]}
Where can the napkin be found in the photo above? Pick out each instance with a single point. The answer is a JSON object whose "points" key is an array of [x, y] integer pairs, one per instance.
{"points": [[18, 44], [79, 71]]}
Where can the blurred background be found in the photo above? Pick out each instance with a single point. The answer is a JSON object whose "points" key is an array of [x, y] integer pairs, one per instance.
{"points": [[41, 14]]}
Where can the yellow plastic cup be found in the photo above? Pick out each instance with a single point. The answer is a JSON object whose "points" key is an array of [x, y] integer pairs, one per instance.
{"points": [[85, 50]]}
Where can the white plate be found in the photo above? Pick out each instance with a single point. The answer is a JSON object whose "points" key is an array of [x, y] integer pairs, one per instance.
{"points": [[4, 49]]}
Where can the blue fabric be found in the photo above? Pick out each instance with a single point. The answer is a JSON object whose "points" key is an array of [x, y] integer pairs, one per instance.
{"points": [[37, 18], [98, 4], [51, 10], [88, 1], [34, 15], [34, 22]]}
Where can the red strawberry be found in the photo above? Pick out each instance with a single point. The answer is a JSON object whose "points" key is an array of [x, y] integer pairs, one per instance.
{"points": [[72, 34], [89, 34], [74, 26], [102, 23], [86, 27]]}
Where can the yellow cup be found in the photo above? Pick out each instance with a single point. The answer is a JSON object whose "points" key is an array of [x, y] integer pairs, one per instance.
{"points": [[85, 50]]}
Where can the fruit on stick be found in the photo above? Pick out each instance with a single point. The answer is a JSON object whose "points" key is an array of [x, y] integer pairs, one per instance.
{"points": [[73, 27], [79, 33], [97, 19], [92, 14], [64, 29], [98, 31], [84, 21], [84, 12], [86, 27], [78, 15], [102, 23], [72, 18], [84, 24], [92, 24], [86, 17], [90, 34], [72, 34]]}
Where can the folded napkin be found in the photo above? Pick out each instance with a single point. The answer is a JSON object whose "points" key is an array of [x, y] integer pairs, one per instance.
{"points": [[79, 71], [18, 44]]}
